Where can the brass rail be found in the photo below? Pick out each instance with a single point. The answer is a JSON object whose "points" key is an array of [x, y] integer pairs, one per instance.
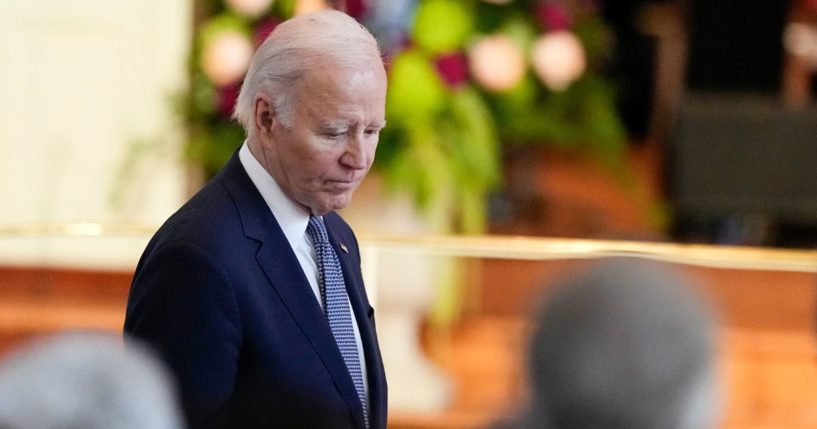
{"points": [[498, 247], [540, 248]]}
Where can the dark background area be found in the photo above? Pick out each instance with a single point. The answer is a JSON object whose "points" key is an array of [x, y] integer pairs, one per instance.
{"points": [[736, 45], [740, 165]]}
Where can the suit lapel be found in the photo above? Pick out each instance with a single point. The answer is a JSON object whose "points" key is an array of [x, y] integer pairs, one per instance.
{"points": [[285, 275], [282, 269]]}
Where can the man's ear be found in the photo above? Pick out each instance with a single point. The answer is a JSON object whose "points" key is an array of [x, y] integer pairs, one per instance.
{"points": [[263, 115]]}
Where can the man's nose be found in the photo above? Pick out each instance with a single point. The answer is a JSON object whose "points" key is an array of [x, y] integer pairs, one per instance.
{"points": [[355, 155]]}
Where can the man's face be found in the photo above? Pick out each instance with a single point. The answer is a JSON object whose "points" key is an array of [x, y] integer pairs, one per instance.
{"points": [[320, 158]]}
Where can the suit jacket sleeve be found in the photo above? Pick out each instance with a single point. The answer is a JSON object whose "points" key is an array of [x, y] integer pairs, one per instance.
{"points": [[183, 304]]}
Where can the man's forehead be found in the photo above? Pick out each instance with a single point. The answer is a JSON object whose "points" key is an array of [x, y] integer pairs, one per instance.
{"points": [[332, 61], [332, 78]]}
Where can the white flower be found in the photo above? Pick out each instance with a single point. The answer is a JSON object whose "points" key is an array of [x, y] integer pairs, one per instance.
{"points": [[249, 8], [558, 59], [496, 62], [801, 40], [226, 57]]}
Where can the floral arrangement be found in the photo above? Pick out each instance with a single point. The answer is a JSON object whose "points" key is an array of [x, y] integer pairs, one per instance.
{"points": [[225, 38], [465, 78]]}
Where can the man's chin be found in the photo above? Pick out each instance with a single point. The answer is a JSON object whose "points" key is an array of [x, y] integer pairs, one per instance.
{"points": [[332, 203]]}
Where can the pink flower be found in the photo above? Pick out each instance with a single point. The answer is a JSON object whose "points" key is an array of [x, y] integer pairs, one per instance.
{"points": [[264, 29], [497, 62], [558, 59], [553, 17], [226, 98], [226, 57], [453, 68]]}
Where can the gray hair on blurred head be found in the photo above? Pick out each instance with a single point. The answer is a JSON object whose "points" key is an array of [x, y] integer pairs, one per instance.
{"points": [[88, 381], [305, 42], [625, 344]]}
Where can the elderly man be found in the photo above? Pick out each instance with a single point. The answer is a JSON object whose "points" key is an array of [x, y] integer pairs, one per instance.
{"points": [[252, 291]]}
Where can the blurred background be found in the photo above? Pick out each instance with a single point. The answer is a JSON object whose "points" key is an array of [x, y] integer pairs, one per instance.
{"points": [[679, 126]]}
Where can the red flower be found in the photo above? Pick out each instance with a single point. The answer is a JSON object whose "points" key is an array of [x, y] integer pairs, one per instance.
{"points": [[264, 29], [226, 98], [553, 17], [453, 68], [356, 8]]}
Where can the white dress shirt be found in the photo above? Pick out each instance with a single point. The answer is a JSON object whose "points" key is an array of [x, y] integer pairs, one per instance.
{"points": [[293, 220]]}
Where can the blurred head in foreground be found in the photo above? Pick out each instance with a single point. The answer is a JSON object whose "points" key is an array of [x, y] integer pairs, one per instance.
{"points": [[85, 381], [624, 345]]}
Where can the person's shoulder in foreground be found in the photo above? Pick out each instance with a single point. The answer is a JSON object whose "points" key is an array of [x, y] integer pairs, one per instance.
{"points": [[85, 380], [227, 288]]}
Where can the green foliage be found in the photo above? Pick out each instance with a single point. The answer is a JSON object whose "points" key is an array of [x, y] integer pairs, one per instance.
{"points": [[415, 89], [223, 22], [444, 139], [446, 131], [442, 26], [440, 144]]}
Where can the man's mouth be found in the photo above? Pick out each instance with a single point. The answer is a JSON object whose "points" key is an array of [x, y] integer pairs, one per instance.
{"points": [[341, 184]]}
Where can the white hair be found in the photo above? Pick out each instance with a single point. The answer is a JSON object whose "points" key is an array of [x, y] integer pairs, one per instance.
{"points": [[90, 381], [306, 42]]}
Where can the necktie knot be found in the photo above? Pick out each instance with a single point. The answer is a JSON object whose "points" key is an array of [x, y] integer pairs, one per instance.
{"points": [[317, 230]]}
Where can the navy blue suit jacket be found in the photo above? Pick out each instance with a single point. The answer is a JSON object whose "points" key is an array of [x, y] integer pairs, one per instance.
{"points": [[221, 295]]}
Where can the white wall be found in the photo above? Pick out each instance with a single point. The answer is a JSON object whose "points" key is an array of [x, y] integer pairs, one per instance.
{"points": [[80, 82]]}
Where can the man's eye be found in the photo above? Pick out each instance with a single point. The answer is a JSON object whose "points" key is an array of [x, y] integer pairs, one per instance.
{"points": [[334, 134], [373, 131]]}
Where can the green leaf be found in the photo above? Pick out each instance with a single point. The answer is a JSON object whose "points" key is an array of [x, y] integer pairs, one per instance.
{"points": [[415, 90], [476, 145], [220, 23], [443, 25]]}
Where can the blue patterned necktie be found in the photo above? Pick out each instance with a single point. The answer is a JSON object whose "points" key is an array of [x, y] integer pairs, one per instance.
{"points": [[336, 305]]}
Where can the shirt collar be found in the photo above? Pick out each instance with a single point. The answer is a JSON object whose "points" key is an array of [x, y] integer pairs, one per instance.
{"points": [[292, 218]]}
